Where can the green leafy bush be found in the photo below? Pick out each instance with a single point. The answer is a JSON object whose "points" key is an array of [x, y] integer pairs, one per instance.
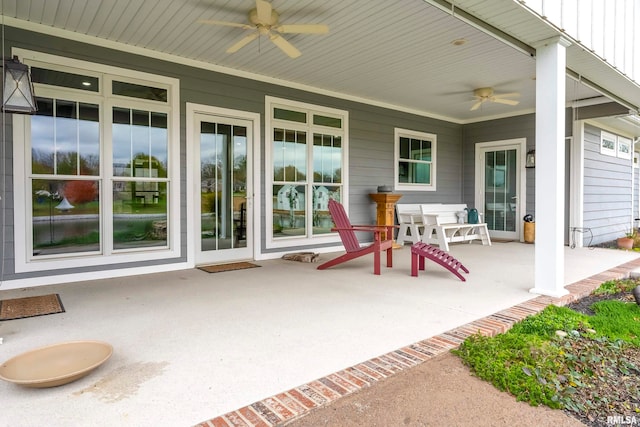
{"points": [[612, 287], [550, 320], [523, 365], [617, 320]]}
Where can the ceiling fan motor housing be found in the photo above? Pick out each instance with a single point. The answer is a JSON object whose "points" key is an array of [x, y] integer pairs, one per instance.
{"points": [[483, 92], [253, 18]]}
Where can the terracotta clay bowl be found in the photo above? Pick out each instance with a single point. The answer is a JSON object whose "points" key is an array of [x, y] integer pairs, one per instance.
{"points": [[55, 364]]}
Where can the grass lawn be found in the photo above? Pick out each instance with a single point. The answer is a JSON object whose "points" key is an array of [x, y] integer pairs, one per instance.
{"points": [[583, 358]]}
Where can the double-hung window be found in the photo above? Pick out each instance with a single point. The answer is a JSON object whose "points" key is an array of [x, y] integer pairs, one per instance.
{"points": [[98, 163], [306, 166], [415, 160]]}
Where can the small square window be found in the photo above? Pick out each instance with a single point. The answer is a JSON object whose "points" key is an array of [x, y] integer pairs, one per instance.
{"points": [[608, 144], [624, 148]]}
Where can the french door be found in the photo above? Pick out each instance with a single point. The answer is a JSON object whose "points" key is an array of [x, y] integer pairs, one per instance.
{"points": [[223, 220], [500, 186]]}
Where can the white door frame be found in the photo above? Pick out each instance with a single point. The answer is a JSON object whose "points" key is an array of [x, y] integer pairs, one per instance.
{"points": [[193, 174], [520, 145]]}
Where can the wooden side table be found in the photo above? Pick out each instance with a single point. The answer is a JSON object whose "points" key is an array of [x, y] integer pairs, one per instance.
{"points": [[385, 210]]}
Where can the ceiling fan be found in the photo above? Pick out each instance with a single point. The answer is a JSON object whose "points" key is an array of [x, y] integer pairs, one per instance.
{"points": [[264, 22], [486, 94]]}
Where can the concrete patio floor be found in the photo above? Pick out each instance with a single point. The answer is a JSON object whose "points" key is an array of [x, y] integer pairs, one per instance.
{"points": [[190, 346]]}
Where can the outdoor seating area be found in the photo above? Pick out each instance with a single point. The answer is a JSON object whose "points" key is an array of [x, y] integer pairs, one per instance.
{"points": [[382, 239], [440, 224]]}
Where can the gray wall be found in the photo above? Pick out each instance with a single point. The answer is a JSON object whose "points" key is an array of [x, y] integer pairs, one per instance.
{"points": [[608, 185], [371, 131], [636, 190], [497, 130]]}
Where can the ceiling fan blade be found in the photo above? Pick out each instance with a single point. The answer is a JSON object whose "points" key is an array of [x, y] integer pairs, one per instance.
{"points": [[506, 95], [243, 42], [506, 101], [225, 23], [302, 29], [263, 11], [286, 47], [476, 105]]}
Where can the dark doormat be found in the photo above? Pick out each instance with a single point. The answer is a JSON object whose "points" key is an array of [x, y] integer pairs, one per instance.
{"points": [[20, 308], [219, 268], [501, 240]]}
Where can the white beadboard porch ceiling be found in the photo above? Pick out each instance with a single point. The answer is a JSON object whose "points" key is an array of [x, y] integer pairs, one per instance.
{"points": [[389, 53]]}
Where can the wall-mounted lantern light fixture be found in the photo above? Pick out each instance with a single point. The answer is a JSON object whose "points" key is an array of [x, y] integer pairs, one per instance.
{"points": [[17, 89], [531, 159]]}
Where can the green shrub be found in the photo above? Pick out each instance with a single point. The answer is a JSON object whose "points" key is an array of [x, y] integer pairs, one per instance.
{"points": [[523, 365], [612, 287], [550, 320], [617, 320]]}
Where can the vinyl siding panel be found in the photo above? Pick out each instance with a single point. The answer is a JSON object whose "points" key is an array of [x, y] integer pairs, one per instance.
{"points": [[608, 186], [371, 157], [497, 130], [635, 198]]}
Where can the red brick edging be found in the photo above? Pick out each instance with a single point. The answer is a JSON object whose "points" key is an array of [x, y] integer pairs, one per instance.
{"points": [[294, 403]]}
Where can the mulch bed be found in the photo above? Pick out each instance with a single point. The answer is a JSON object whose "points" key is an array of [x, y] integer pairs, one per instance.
{"points": [[608, 382]]}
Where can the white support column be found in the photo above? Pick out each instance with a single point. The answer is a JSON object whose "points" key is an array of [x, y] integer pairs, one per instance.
{"points": [[550, 169]]}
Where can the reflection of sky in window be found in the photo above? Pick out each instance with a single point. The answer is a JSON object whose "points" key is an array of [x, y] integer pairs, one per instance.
{"points": [[239, 147], [42, 134], [129, 141], [290, 154], [211, 147], [326, 161], [71, 136], [214, 146]]}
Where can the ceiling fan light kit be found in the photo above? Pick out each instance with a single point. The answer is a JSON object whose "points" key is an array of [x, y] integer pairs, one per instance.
{"points": [[264, 21], [487, 94]]}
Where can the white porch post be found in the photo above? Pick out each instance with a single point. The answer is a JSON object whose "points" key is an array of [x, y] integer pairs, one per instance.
{"points": [[550, 146]]}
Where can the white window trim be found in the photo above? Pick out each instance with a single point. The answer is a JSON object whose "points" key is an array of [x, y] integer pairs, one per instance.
{"points": [[609, 137], [21, 135], [626, 142], [270, 103], [397, 185]]}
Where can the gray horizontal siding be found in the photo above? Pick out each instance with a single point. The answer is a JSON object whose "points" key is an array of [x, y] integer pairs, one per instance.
{"points": [[371, 157], [608, 186], [497, 130], [636, 194]]}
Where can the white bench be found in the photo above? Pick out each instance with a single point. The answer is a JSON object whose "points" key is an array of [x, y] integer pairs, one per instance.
{"points": [[409, 223], [441, 227]]}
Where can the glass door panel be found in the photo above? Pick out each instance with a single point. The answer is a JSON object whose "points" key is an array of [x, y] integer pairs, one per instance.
{"points": [[223, 217], [500, 190]]}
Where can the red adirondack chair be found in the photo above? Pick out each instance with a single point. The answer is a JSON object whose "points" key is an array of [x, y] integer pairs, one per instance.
{"points": [[351, 243]]}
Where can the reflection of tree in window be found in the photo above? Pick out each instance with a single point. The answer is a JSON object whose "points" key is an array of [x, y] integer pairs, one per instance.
{"points": [[289, 155], [77, 192], [280, 174], [65, 138], [138, 134]]}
